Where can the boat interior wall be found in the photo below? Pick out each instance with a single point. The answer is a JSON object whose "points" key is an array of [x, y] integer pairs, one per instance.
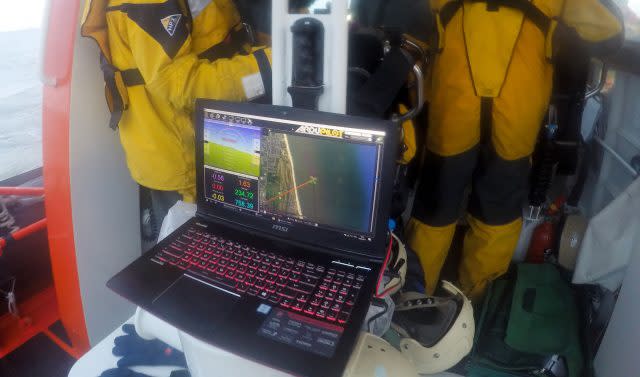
{"points": [[107, 237]]}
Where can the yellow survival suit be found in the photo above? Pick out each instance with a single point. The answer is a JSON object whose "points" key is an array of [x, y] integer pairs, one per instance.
{"points": [[157, 57], [490, 88]]}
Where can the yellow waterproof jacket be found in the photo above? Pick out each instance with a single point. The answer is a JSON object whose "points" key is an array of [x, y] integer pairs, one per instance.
{"points": [[159, 54], [501, 50]]}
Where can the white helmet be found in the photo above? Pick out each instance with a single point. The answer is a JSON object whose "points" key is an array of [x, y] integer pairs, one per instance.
{"points": [[374, 357], [395, 271], [436, 332]]}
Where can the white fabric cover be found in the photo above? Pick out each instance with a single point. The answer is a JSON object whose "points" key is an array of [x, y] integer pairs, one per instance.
{"points": [[613, 235], [177, 215]]}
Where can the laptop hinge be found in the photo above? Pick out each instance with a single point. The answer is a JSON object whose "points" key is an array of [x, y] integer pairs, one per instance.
{"points": [[337, 256]]}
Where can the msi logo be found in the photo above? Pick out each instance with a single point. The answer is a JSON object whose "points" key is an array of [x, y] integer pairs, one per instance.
{"points": [[280, 228]]}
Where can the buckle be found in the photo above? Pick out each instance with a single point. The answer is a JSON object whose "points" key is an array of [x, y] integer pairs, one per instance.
{"points": [[248, 31]]}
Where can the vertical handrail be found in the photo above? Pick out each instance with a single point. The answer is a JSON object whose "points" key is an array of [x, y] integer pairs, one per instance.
{"points": [[602, 80]]}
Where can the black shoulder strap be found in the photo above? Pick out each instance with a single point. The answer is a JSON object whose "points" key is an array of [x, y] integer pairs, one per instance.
{"points": [[132, 77], [448, 11], [116, 103], [235, 42], [530, 11], [265, 71]]}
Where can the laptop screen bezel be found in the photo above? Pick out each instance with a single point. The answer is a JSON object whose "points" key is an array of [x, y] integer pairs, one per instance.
{"points": [[327, 239]]}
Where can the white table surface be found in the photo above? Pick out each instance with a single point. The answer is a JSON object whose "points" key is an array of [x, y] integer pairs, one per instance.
{"points": [[100, 358]]}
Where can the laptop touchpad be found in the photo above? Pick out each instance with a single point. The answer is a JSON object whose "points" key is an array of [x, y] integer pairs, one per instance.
{"points": [[195, 306]]}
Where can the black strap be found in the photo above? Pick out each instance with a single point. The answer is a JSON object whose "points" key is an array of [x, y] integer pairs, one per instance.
{"points": [[305, 97], [530, 11], [486, 109], [377, 95], [492, 5], [132, 77], [448, 11], [233, 44], [265, 72], [108, 72], [121, 7]]}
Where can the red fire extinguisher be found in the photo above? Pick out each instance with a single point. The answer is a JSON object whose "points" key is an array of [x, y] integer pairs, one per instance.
{"points": [[543, 239]]}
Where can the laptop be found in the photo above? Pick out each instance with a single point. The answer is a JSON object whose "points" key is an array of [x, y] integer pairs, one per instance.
{"points": [[283, 256]]}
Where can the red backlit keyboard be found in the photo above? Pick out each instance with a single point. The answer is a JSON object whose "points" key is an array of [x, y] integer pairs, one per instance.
{"points": [[327, 293]]}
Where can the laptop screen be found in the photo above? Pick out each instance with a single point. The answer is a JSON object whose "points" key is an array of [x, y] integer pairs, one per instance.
{"points": [[293, 172]]}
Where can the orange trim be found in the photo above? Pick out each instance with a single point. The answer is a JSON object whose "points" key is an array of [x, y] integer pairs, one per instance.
{"points": [[24, 232], [29, 230], [60, 343], [22, 191], [37, 312], [58, 61]]}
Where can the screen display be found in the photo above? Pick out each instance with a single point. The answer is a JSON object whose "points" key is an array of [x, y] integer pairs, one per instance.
{"points": [[316, 175]]}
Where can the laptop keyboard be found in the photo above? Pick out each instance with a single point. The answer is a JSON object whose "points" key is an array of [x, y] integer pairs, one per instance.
{"points": [[326, 293]]}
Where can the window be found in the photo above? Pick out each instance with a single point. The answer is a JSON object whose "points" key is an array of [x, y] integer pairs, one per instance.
{"points": [[631, 12], [616, 152], [20, 87]]}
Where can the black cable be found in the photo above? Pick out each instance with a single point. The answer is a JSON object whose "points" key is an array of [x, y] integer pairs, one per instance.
{"points": [[378, 315], [397, 267]]}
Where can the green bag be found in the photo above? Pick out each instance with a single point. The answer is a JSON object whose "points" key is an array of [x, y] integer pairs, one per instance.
{"points": [[527, 316]]}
